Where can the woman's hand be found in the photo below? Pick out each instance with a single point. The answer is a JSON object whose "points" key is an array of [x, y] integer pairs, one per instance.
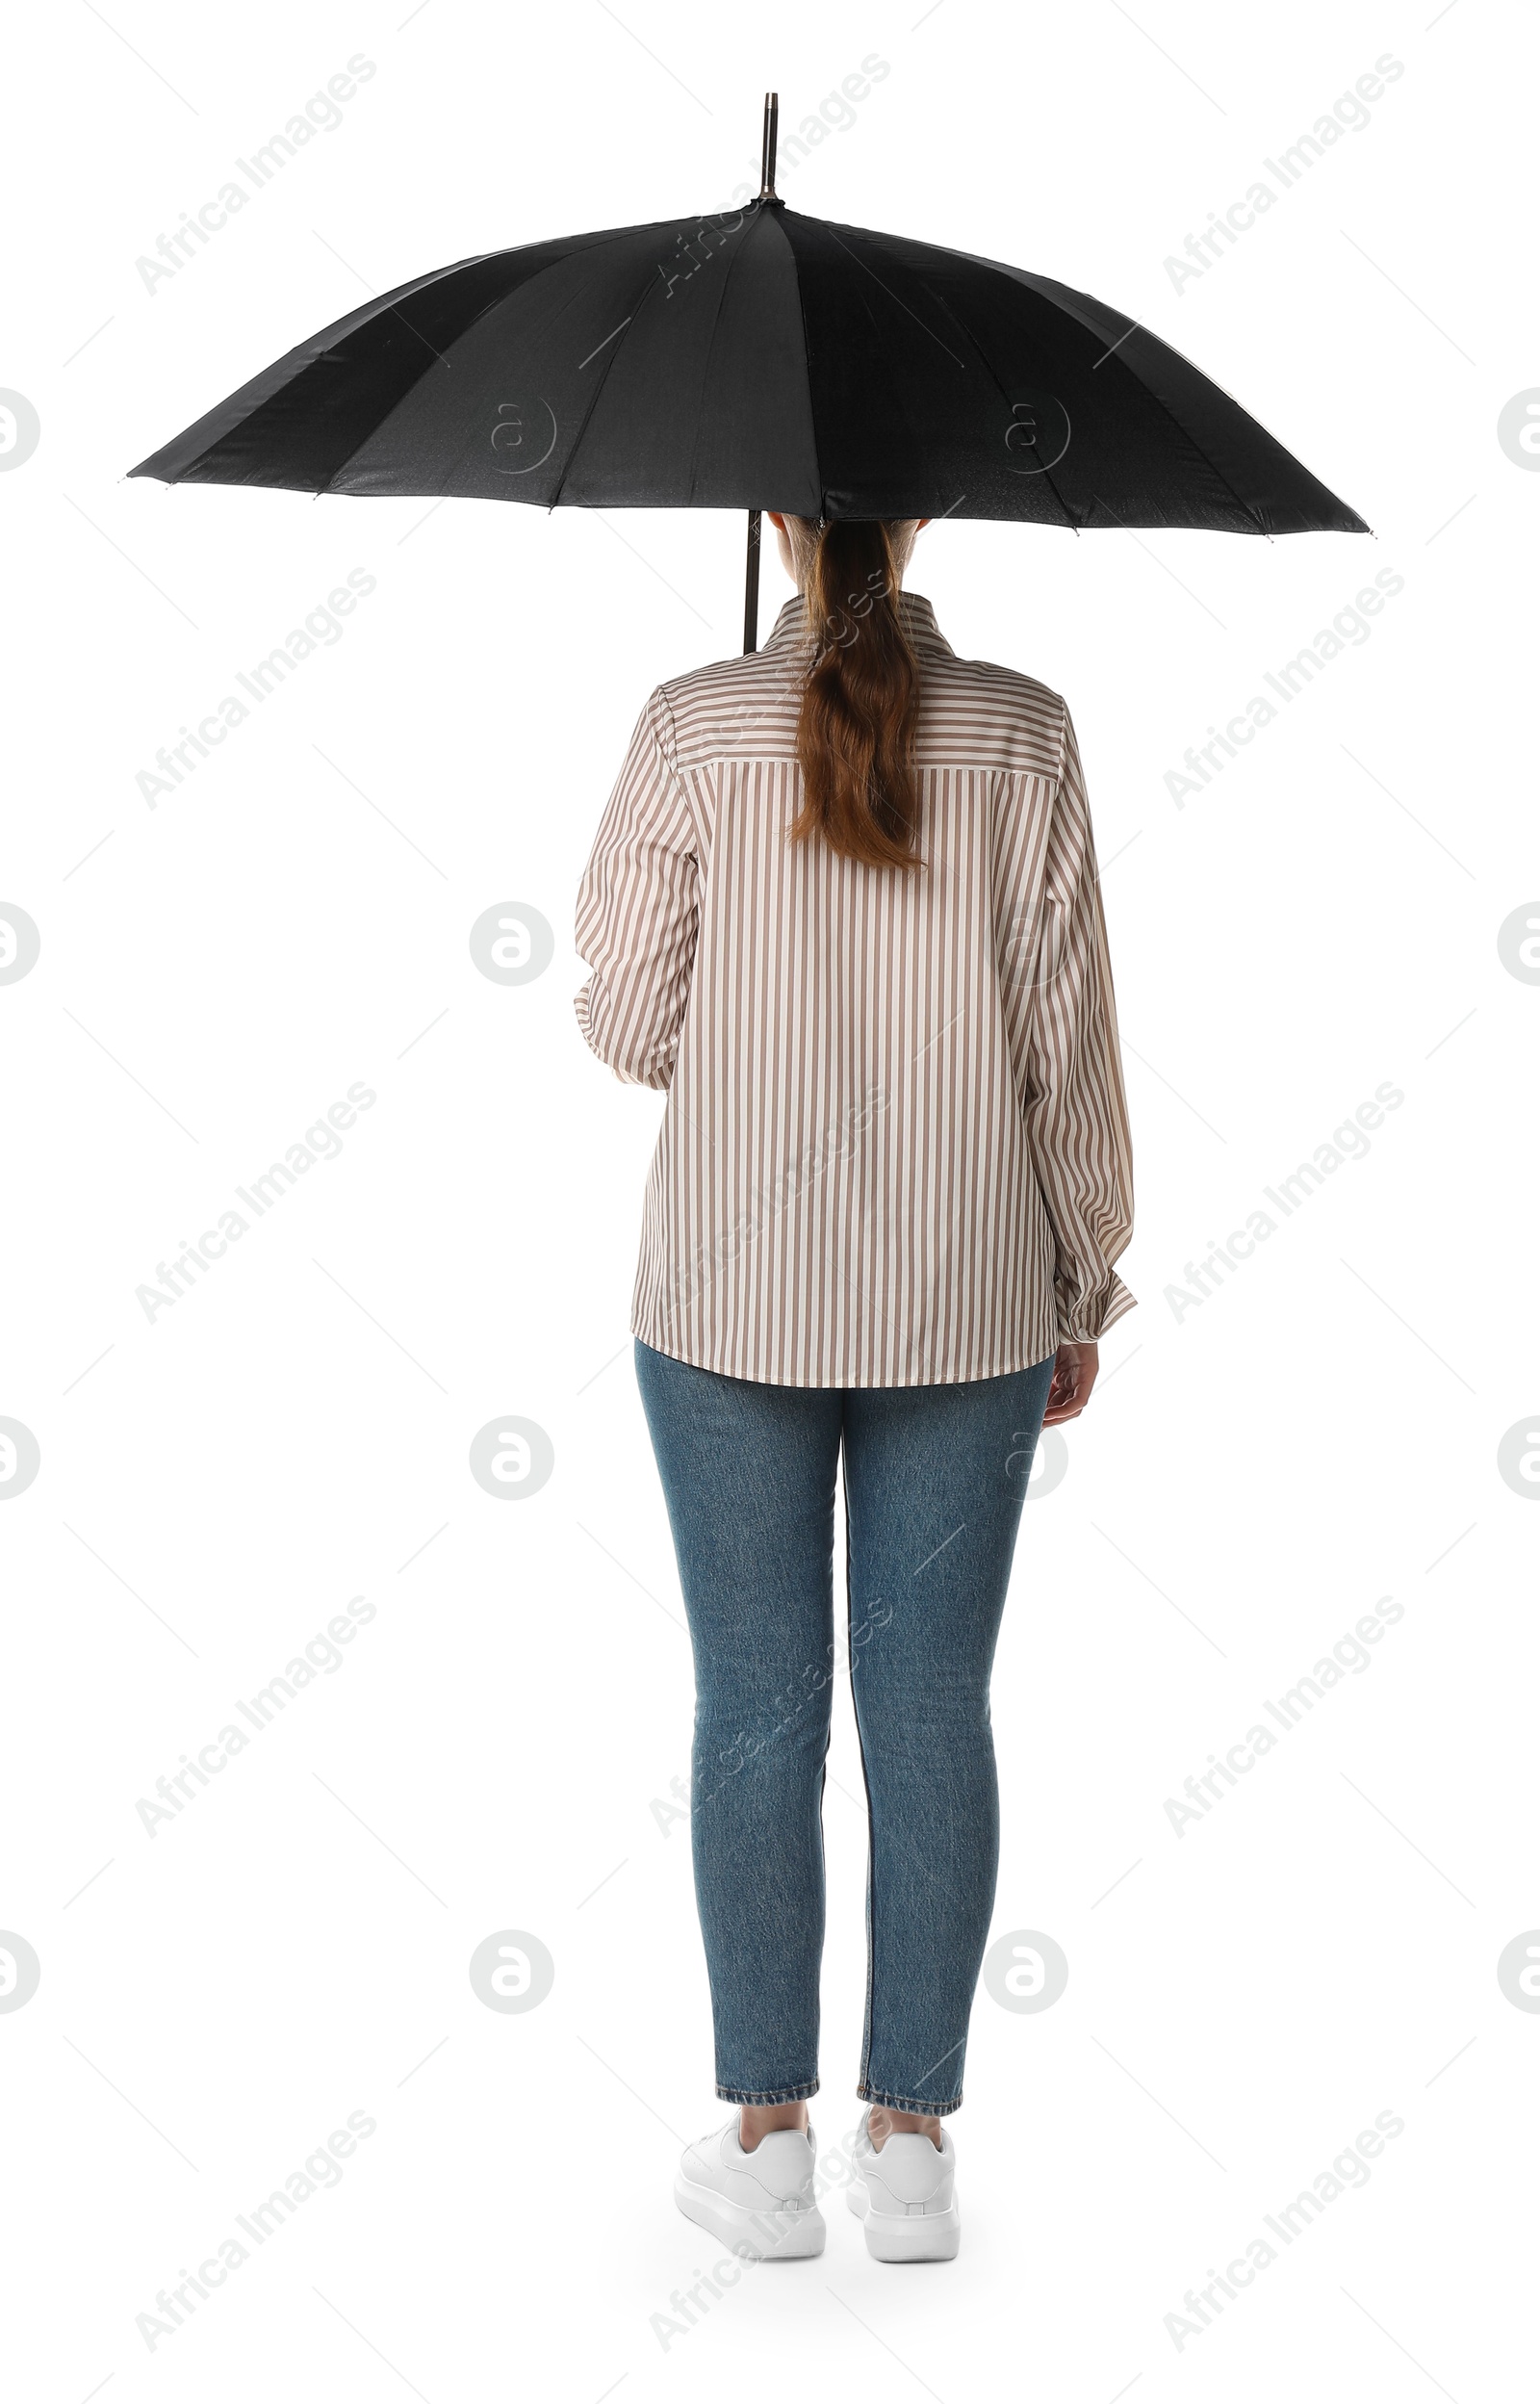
{"points": [[1074, 1373]]}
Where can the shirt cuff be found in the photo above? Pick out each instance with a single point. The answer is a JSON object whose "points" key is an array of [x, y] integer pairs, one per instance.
{"points": [[579, 1003], [1087, 1322], [654, 1069]]}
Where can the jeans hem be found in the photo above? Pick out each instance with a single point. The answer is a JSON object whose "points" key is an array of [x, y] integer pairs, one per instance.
{"points": [[906, 2103], [769, 2095]]}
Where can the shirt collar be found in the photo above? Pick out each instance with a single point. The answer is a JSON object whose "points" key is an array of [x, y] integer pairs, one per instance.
{"points": [[916, 615]]}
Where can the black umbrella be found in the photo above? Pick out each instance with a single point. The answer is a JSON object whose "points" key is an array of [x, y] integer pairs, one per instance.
{"points": [[757, 359]]}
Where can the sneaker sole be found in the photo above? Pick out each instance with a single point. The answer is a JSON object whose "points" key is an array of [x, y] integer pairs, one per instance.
{"points": [[915, 2237], [763, 2236]]}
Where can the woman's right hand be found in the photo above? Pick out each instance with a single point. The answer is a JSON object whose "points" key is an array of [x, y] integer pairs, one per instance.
{"points": [[1074, 1373]]}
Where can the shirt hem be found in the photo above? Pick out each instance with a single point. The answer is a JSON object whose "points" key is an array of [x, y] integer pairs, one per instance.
{"points": [[1031, 1359]]}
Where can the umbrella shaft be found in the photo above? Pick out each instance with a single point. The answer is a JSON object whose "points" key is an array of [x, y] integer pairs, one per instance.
{"points": [[750, 586]]}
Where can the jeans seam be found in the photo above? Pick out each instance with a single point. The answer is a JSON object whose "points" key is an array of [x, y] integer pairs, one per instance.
{"points": [[871, 1832], [869, 2094], [770, 2095]]}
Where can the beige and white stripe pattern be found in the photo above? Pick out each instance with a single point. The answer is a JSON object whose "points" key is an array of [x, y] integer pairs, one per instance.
{"points": [[895, 1150]]}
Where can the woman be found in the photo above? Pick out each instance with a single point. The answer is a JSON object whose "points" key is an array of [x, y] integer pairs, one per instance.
{"points": [[843, 907]]}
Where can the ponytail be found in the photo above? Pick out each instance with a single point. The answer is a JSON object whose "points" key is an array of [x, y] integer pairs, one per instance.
{"points": [[855, 734]]}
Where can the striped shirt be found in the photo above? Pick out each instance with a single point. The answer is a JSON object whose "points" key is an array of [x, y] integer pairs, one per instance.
{"points": [[895, 1150]]}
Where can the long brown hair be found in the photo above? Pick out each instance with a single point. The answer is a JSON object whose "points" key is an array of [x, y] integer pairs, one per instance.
{"points": [[855, 734]]}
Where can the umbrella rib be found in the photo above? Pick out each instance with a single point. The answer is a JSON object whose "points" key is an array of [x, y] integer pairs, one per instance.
{"points": [[355, 321], [1059, 296], [1136, 324], [442, 358], [386, 301], [1068, 514], [807, 354], [386, 305], [710, 349], [935, 337], [519, 290], [499, 300], [1187, 435], [894, 295], [567, 463], [863, 302], [967, 334]]}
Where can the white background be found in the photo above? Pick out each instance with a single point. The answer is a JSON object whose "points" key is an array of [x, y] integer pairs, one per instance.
{"points": [[293, 917]]}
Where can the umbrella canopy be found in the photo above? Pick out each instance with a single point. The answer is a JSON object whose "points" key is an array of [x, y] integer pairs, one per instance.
{"points": [[756, 357]]}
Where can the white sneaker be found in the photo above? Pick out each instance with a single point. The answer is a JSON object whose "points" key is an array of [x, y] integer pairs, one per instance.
{"points": [[904, 2196], [762, 2203]]}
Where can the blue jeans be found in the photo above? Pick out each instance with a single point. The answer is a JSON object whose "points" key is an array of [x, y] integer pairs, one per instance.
{"points": [[935, 1479]]}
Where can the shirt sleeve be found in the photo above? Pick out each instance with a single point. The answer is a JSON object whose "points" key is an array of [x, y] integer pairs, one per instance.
{"points": [[638, 910], [1076, 1112]]}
